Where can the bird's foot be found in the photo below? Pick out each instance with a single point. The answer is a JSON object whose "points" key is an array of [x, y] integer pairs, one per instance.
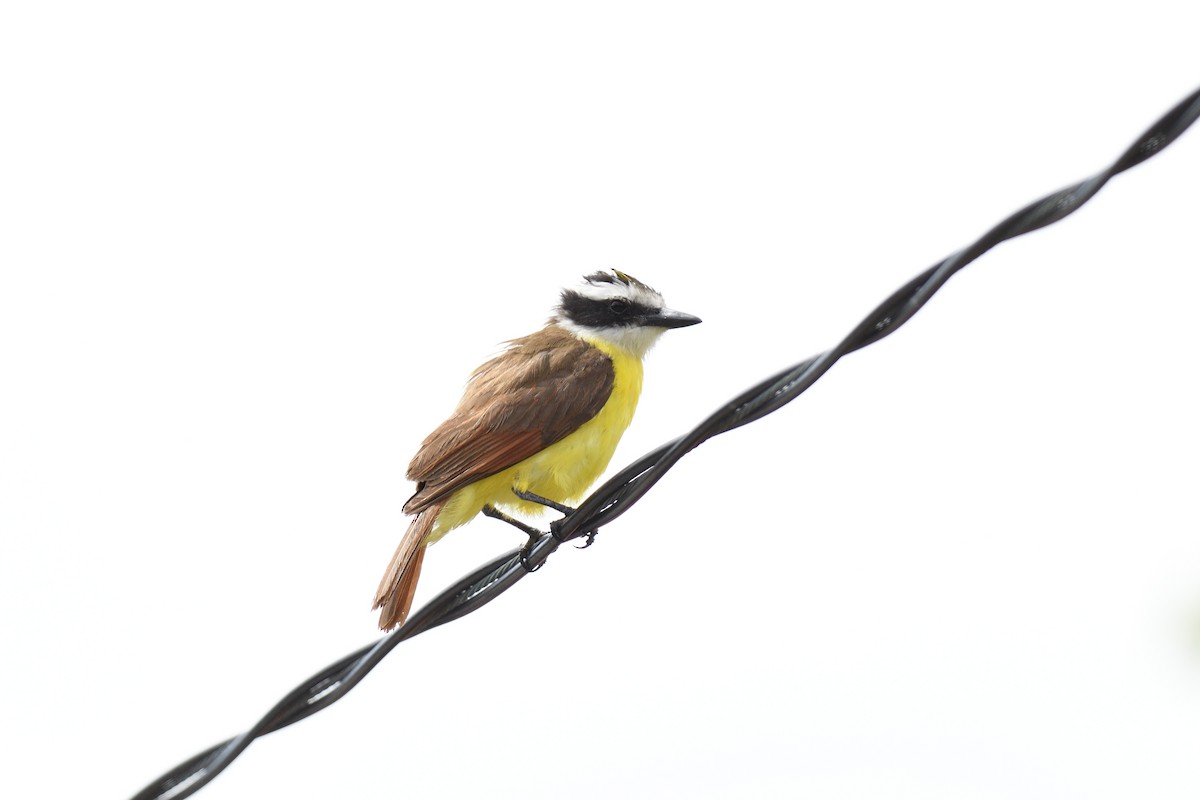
{"points": [[555, 526], [565, 510], [526, 553]]}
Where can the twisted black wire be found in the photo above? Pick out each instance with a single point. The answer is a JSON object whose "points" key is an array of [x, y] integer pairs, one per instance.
{"points": [[627, 487]]}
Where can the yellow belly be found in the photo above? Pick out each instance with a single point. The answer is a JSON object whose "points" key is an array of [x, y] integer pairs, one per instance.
{"points": [[565, 470]]}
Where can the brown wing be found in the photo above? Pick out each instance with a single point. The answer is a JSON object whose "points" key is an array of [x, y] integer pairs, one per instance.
{"points": [[533, 394]]}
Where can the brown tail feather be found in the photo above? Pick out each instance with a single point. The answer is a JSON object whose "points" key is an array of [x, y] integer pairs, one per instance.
{"points": [[395, 594]]}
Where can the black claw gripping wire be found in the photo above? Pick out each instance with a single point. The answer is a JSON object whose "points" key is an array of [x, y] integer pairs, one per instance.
{"points": [[627, 487]]}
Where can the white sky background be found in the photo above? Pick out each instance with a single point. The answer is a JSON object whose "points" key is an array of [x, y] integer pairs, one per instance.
{"points": [[251, 251]]}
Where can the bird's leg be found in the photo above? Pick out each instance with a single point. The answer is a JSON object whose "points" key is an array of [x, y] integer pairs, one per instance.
{"points": [[542, 501], [533, 533]]}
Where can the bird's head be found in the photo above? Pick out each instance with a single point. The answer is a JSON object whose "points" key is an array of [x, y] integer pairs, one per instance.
{"points": [[617, 308]]}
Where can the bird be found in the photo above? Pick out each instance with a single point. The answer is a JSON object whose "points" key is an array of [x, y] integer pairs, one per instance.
{"points": [[537, 424]]}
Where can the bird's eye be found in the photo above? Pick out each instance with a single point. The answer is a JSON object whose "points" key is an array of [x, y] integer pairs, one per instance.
{"points": [[618, 306]]}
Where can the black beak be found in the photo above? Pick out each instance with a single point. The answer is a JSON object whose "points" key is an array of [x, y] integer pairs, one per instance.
{"points": [[669, 318]]}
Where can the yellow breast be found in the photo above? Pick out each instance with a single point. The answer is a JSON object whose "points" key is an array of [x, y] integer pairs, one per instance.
{"points": [[565, 470]]}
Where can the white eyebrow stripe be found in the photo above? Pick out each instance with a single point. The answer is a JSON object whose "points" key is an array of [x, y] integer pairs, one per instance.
{"points": [[640, 295]]}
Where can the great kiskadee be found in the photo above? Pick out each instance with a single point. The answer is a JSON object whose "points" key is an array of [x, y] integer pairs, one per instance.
{"points": [[542, 418]]}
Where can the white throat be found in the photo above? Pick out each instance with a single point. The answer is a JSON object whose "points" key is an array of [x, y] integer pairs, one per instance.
{"points": [[634, 340]]}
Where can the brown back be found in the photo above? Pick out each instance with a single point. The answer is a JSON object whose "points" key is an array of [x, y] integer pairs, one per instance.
{"points": [[539, 390]]}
